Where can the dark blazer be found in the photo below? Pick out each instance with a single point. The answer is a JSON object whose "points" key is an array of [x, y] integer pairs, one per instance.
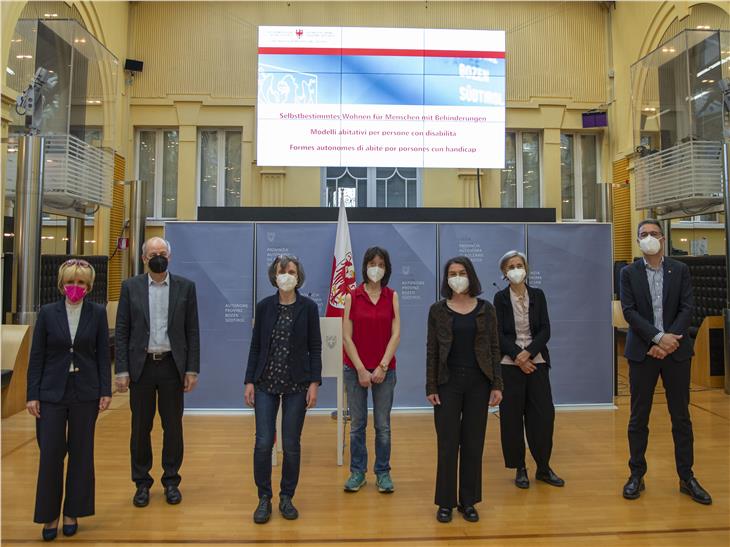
{"points": [[440, 337], [677, 304], [306, 341], [52, 351], [539, 324], [132, 331]]}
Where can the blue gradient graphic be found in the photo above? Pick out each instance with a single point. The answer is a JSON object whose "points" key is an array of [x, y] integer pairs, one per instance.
{"points": [[381, 80]]}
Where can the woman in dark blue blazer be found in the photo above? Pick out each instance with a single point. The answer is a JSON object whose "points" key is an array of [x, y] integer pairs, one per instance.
{"points": [[69, 382], [284, 366], [527, 403]]}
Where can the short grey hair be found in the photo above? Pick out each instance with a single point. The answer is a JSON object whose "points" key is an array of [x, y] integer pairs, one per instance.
{"points": [[167, 244], [285, 260], [653, 221], [512, 254]]}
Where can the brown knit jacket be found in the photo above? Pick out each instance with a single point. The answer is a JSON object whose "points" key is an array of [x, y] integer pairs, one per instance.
{"points": [[440, 337]]}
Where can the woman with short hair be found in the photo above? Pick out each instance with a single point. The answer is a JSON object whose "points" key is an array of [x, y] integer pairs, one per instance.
{"points": [[527, 406], [284, 367], [69, 382]]}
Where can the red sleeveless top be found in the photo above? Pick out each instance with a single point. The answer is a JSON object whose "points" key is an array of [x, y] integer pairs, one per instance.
{"points": [[371, 326]]}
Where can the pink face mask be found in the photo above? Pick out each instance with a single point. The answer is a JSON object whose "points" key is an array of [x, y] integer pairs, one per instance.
{"points": [[74, 292]]}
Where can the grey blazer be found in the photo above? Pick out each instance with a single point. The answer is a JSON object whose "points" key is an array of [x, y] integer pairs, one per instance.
{"points": [[132, 331]]}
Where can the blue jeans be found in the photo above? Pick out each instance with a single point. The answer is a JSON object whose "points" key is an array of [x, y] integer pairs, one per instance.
{"points": [[357, 400], [294, 407]]}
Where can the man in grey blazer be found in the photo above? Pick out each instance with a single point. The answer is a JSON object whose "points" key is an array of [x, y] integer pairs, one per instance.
{"points": [[158, 358]]}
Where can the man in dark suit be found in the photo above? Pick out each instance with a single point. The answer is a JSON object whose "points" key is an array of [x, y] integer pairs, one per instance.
{"points": [[656, 297], [158, 358]]}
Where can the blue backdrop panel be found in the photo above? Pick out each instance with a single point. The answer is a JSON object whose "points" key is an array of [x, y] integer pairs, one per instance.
{"points": [[412, 250], [218, 258], [484, 244], [314, 245], [572, 264]]}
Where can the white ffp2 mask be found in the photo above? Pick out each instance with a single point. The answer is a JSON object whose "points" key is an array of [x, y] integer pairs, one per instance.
{"points": [[375, 273], [459, 284], [650, 245], [516, 275], [286, 282]]}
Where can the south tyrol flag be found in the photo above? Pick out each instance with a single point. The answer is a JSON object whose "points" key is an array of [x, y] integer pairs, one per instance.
{"points": [[342, 281]]}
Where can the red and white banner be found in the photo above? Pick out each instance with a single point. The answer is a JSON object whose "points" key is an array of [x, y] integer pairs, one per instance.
{"points": [[342, 281]]}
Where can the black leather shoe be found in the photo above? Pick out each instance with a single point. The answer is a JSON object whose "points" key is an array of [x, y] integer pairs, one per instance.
{"points": [[141, 496], [521, 480], [263, 511], [173, 495], [443, 514], [49, 534], [469, 513], [287, 509], [549, 477], [633, 488], [693, 489], [70, 529]]}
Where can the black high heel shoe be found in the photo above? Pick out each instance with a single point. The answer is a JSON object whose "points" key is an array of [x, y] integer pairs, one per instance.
{"points": [[49, 534], [70, 529]]}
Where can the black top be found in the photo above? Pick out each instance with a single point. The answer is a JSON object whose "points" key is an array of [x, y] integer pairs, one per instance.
{"points": [[462, 354], [276, 377], [53, 351], [539, 324], [305, 343]]}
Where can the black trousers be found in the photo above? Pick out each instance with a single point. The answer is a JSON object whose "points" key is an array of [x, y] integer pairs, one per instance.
{"points": [[461, 425], [66, 426], [643, 377], [159, 385], [526, 408]]}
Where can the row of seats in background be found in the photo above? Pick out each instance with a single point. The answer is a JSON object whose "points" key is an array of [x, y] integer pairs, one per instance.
{"points": [[709, 286]]}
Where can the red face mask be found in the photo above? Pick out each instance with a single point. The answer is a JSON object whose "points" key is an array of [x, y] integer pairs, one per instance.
{"points": [[74, 292]]}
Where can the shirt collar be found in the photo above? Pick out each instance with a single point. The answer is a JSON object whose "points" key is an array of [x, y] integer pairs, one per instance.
{"points": [[646, 264], [165, 281]]}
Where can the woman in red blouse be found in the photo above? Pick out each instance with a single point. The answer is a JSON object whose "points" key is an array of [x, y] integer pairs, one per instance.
{"points": [[371, 333]]}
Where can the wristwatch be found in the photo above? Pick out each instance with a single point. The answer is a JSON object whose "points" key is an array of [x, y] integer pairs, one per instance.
{"points": [[384, 366]]}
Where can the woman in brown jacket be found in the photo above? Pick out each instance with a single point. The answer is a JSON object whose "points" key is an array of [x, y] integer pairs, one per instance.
{"points": [[463, 378]]}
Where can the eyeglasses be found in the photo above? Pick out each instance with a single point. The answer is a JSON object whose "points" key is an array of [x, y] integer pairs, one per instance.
{"points": [[655, 234], [77, 262]]}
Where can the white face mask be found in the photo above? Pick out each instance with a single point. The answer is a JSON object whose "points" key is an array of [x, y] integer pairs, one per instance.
{"points": [[650, 245], [375, 273], [286, 282], [459, 284], [516, 276]]}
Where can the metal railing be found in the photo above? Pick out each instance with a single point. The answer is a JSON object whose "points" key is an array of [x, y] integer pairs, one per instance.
{"points": [[686, 175], [78, 170]]}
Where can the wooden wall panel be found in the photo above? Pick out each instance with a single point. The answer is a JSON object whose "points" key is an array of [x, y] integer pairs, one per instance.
{"points": [[116, 221], [213, 48], [621, 210]]}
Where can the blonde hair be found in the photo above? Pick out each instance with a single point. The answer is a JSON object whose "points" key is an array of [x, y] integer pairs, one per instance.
{"points": [[73, 268]]}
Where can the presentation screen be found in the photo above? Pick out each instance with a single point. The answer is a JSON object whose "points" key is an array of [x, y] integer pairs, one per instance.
{"points": [[343, 96]]}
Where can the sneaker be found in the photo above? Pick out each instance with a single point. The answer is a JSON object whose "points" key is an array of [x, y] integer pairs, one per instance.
{"points": [[355, 482], [263, 510], [287, 509], [385, 483]]}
